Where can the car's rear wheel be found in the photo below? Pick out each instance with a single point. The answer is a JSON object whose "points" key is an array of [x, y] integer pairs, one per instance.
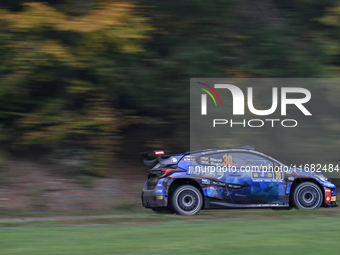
{"points": [[187, 200], [307, 195]]}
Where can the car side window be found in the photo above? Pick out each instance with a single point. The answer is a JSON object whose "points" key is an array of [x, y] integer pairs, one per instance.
{"points": [[236, 159], [256, 160], [222, 159], [215, 159]]}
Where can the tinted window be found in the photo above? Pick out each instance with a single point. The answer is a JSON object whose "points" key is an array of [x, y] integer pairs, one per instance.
{"points": [[237, 159], [254, 160]]}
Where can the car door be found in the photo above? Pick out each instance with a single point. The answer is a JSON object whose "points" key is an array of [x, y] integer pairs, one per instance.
{"points": [[267, 181], [234, 185], [237, 179]]}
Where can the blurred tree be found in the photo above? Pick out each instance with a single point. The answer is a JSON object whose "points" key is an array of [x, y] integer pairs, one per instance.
{"points": [[59, 76], [331, 37]]}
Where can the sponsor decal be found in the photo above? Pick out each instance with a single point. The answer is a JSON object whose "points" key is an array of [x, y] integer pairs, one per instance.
{"points": [[267, 180], [174, 160], [205, 181], [189, 158], [227, 160], [219, 184], [265, 176], [233, 186], [333, 198], [159, 197], [240, 195]]}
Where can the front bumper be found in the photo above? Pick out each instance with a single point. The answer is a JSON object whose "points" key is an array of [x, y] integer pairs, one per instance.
{"points": [[330, 196], [150, 198]]}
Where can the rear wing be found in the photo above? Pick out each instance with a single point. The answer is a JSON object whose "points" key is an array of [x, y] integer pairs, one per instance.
{"points": [[152, 158]]}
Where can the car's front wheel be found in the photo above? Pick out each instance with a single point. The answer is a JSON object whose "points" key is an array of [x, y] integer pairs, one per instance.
{"points": [[307, 195], [187, 200]]}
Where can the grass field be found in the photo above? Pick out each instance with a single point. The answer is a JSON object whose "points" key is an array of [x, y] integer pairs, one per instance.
{"points": [[259, 232]]}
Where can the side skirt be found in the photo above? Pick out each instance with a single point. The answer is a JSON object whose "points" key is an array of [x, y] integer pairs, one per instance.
{"points": [[215, 204]]}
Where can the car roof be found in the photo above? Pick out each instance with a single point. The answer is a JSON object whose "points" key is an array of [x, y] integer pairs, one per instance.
{"points": [[246, 147]]}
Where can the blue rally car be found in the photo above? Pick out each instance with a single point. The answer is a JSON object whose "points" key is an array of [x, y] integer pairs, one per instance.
{"points": [[230, 178]]}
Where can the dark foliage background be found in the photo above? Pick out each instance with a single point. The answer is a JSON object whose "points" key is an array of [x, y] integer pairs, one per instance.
{"points": [[96, 82]]}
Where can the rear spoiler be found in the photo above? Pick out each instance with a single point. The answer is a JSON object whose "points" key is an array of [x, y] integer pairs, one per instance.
{"points": [[151, 158]]}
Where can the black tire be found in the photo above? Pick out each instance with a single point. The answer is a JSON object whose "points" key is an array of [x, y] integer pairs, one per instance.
{"points": [[307, 195], [186, 200], [162, 210]]}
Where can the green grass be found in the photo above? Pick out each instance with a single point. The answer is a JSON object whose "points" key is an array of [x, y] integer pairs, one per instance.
{"points": [[251, 233]]}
